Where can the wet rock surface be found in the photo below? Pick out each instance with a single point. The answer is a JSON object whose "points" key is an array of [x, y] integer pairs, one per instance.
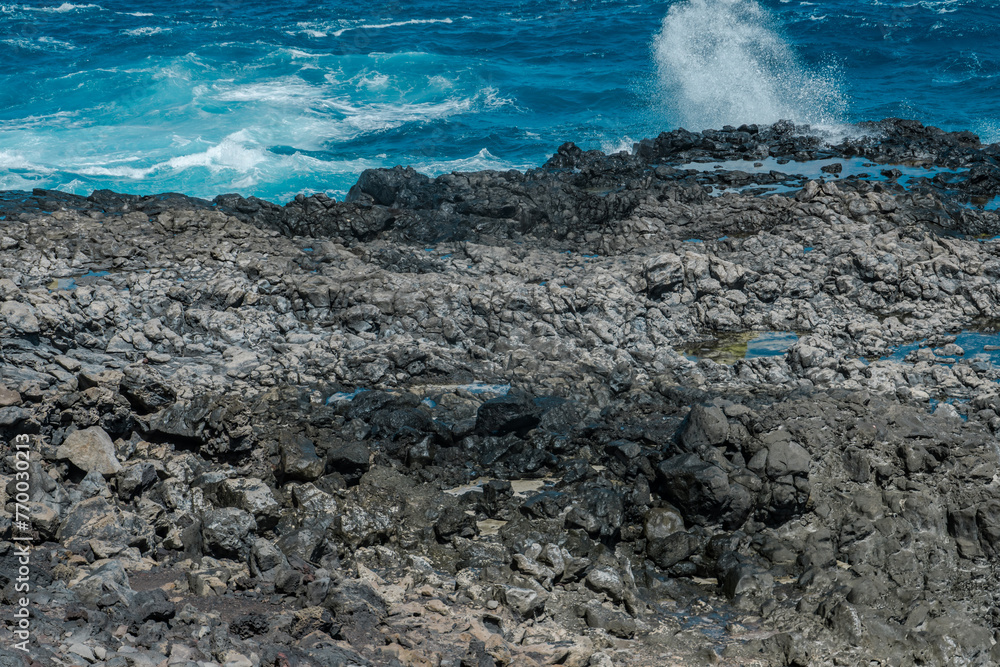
{"points": [[456, 421]]}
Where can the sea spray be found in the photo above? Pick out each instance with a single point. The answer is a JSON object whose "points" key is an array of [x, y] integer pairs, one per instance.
{"points": [[722, 62]]}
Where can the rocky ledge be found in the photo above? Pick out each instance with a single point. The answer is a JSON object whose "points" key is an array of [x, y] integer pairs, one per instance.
{"points": [[624, 409]]}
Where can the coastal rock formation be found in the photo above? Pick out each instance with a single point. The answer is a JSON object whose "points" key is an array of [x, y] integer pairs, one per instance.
{"points": [[623, 409]]}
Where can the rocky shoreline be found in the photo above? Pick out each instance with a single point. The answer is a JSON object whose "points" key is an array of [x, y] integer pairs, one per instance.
{"points": [[625, 409]]}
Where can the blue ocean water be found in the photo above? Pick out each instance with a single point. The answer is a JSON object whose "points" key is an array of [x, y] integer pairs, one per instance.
{"points": [[273, 99]]}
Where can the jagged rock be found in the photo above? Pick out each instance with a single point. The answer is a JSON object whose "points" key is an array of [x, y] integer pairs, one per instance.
{"points": [[251, 496], [20, 317], [513, 413], [106, 585], [152, 606], [134, 479], [617, 623], [525, 601], [226, 531], [662, 522], [9, 397], [299, 460]]}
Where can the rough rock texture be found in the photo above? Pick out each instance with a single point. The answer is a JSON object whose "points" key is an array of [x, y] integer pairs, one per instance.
{"points": [[90, 449], [510, 418]]}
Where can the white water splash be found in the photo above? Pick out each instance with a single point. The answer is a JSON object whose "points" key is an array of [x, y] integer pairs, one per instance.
{"points": [[721, 62]]}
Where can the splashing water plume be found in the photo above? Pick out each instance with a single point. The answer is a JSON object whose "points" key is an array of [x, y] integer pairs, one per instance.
{"points": [[720, 62]]}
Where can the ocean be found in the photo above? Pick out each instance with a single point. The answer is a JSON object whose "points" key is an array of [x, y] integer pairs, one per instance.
{"points": [[273, 99]]}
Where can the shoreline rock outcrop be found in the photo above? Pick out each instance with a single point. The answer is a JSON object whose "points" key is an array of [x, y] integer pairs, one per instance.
{"points": [[625, 409]]}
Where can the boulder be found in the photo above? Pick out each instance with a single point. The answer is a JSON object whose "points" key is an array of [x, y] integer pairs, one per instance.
{"points": [[20, 317], [106, 585], [661, 522], [252, 496], [513, 413], [135, 478], [226, 531], [706, 425], [92, 450], [299, 460]]}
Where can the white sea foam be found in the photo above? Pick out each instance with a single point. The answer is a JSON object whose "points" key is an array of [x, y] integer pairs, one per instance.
{"points": [[373, 81], [41, 44], [18, 182], [478, 162], [394, 24], [231, 153], [12, 161], [722, 62], [612, 146], [286, 90], [988, 131], [116, 172], [438, 81], [377, 116], [61, 9], [143, 32], [22, 43]]}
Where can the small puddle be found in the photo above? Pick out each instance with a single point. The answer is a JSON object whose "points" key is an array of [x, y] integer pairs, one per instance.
{"points": [[789, 176], [475, 388], [73, 283], [813, 169], [727, 349], [345, 396], [975, 345]]}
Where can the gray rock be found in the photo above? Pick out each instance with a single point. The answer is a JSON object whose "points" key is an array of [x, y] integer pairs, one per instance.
{"points": [[226, 531], [93, 519], [605, 580], [513, 413], [90, 449], [252, 496], [266, 559], [11, 415], [703, 492], [739, 576], [106, 586], [299, 460], [351, 459], [525, 601], [615, 622], [668, 551], [9, 397], [706, 426], [20, 317], [135, 478], [152, 606], [787, 458], [661, 522]]}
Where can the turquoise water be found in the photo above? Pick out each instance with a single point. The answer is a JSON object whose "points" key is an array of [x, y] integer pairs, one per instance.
{"points": [[273, 99], [975, 346]]}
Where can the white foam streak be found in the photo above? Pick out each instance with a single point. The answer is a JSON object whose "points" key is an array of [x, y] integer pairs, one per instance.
{"points": [[720, 62], [478, 162], [16, 162], [394, 24], [230, 153], [61, 9], [142, 32], [286, 90]]}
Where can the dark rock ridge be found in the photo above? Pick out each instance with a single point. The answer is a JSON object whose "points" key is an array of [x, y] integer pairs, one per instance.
{"points": [[451, 422]]}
